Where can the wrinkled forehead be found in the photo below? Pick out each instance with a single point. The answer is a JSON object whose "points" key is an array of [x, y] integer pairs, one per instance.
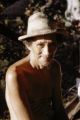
{"points": [[43, 41]]}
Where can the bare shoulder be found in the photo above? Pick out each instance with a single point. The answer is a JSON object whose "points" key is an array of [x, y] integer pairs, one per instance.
{"points": [[11, 76], [15, 70], [12, 70]]}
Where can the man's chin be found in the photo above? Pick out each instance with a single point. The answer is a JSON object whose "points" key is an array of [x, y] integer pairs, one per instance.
{"points": [[46, 64]]}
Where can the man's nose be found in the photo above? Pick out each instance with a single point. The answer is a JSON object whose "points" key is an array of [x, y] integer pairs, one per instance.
{"points": [[46, 51]]}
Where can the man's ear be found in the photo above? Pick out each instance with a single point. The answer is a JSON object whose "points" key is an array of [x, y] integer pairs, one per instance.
{"points": [[27, 44]]}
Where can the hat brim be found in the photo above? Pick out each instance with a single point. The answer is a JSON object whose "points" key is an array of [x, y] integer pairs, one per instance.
{"points": [[23, 37], [55, 33]]}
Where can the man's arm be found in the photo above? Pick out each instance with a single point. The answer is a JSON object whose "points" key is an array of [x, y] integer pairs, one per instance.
{"points": [[58, 107], [15, 98]]}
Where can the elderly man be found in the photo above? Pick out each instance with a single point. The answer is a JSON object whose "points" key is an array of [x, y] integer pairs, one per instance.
{"points": [[33, 84]]}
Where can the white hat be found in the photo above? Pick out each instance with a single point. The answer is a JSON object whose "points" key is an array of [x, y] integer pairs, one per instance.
{"points": [[38, 24]]}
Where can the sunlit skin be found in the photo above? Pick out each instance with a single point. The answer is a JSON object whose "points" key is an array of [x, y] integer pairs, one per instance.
{"points": [[42, 52], [31, 83]]}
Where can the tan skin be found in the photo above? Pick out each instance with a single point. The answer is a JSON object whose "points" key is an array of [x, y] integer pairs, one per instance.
{"points": [[35, 77]]}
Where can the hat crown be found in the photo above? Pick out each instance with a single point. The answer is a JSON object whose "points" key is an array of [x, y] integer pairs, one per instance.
{"points": [[38, 23]]}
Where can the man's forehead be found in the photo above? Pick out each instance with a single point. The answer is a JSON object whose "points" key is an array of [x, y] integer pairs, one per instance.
{"points": [[44, 41], [45, 38]]}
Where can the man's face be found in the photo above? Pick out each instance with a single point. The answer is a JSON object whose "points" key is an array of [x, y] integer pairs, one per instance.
{"points": [[42, 50]]}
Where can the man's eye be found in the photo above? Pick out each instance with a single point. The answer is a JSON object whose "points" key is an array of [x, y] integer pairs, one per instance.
{"points": [[40, 45]]}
